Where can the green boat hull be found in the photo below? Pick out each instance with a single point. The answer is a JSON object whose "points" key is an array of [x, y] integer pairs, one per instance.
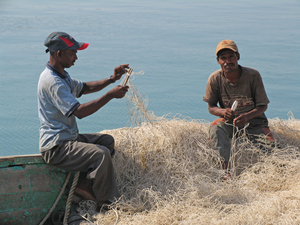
{"points": [[29, 188]]}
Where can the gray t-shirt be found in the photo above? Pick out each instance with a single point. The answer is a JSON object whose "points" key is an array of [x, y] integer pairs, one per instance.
{"points": [[57, 95], [249, 91]]}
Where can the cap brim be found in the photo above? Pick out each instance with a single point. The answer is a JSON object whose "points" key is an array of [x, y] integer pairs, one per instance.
{"points": [[83, 46], [229, 48]]}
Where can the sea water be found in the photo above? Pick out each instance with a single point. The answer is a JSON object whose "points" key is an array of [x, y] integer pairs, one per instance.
{"points": [[173, 42]]}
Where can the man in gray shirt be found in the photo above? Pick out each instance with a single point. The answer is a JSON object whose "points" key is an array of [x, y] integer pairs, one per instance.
{"points": [[60, 143]]}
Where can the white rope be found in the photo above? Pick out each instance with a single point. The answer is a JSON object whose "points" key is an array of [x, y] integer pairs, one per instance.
{"points": [[117, 216], [57, 199], [69, 201]]}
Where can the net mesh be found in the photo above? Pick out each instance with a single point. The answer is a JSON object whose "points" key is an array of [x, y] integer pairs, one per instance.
{"points": [[168, 173]]}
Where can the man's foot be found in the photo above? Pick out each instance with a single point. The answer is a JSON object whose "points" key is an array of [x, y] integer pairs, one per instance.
{"points": [[84, 190], [227, 177]]}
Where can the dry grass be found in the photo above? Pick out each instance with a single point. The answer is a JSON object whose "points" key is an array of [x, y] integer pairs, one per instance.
{"points": [[168, 173]]}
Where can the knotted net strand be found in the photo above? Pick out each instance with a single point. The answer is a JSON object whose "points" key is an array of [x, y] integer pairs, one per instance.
{"points": [[168, 173]]}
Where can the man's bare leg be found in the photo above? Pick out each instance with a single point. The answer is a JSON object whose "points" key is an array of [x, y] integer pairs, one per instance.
{"points": [[84, 190]]}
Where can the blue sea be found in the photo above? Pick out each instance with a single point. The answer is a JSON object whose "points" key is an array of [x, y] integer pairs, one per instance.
{"points": [[173, 42]]}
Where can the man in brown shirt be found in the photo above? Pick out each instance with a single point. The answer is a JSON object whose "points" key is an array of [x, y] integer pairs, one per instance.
{"points": [[235, 83]]}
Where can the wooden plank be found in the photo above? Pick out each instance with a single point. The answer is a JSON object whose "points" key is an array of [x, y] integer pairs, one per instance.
{"points": [[30, 159], [29, 190], [20, 159], [6, 161]]}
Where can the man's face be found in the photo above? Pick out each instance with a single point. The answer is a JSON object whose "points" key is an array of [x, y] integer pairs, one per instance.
{"points": [[68, 58], [228, 60]]}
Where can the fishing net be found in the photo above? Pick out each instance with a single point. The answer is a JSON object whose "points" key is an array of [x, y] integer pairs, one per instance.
{"points": [[168, 173]]}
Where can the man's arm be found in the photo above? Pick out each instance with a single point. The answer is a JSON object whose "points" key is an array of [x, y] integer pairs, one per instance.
{"points": [[91, 107], [95, 86], [242, 119]]}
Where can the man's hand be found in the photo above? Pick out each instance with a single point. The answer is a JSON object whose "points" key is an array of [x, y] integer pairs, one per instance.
{"points": [[240, 121], [119, 71], [118, 91], [228, 114]]}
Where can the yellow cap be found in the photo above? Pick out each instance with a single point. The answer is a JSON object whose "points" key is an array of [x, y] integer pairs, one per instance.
{"points": [[228, 44]]}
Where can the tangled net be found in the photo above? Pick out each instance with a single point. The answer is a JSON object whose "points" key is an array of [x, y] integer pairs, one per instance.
{"points": [[168, 173]]}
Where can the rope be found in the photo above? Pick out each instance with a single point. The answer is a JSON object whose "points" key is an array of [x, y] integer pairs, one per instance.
{"points": [[69, 201], [57, 199]]}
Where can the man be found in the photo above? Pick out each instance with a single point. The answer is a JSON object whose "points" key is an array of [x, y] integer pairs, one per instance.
{"points": [[234, 82], [60, 143]]}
